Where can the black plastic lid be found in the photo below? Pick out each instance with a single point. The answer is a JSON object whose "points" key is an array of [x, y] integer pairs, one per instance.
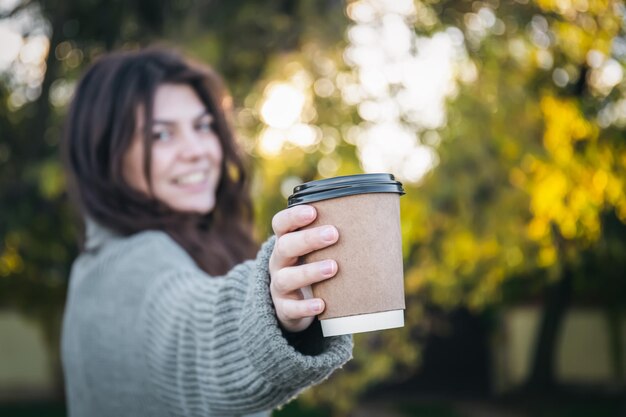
{"points": [[326, 189]]}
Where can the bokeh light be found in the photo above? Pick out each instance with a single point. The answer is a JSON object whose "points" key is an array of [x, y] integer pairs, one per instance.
{"points": [[11, 46], [282, 105], [400, 83]]}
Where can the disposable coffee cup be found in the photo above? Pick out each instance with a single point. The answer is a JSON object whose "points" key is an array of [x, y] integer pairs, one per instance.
{"points": [[367, 293]]}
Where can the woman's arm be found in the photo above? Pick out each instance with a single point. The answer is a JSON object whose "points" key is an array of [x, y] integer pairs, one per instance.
{"points": [[214, 345]]}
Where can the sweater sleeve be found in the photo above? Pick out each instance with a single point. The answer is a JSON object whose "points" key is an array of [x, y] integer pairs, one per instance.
{"points": [[214, 346]]}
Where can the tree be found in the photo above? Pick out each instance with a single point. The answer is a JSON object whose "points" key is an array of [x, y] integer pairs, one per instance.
{"points": [[531, 172], [529, 189]]}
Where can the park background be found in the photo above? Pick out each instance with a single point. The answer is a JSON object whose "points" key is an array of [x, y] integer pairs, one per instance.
{"points": [[505, 120]]}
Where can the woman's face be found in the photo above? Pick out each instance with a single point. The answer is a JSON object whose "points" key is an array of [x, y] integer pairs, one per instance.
{"points": [[186, 152]]}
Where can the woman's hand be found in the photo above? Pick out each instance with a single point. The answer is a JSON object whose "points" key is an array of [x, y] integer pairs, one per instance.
{"points": [[290, 285]]}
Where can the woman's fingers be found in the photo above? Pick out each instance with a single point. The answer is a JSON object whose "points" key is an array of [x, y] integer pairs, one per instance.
{"points": [[290, 283], [291, 246], [293, 311], [292, 219], [293, 278]]}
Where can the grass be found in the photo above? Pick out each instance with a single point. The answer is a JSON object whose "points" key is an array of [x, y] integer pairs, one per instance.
{"points": [[428, 410], [33, 410], [297, 409], [581, 410], [425, 409]]}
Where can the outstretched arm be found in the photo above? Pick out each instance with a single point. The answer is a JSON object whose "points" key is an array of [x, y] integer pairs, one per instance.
{"points": [[215, 345]]}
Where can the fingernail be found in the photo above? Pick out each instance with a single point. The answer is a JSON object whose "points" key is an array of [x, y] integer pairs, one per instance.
{"points": [[329, 234], [315, 305], [307, 213], [327, 268]]}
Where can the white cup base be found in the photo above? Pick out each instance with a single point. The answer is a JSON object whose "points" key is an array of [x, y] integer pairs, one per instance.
{"points": [[362, 323]]}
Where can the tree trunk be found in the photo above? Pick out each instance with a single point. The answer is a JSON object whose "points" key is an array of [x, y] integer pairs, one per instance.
{"points": [[542, 374]]}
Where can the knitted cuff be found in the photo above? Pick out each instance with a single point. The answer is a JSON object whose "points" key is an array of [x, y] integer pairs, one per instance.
{"points": [[281, 364]]}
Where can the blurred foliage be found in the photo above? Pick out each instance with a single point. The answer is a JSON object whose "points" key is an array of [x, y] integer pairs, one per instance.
{"points": [[531, 176], [530, 183], [526, 173]]}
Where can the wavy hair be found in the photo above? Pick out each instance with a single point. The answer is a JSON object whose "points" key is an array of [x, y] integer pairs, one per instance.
{"points": [[100, 126]]}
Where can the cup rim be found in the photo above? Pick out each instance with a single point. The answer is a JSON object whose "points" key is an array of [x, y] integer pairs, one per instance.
{"points": [[342, 186]]}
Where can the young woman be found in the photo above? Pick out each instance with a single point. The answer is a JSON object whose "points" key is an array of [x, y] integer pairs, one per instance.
{"points": [[166, 315]]}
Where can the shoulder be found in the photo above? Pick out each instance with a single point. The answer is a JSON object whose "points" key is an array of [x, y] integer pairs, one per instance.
{"points": [[151, 249], [153, 244], [145, 254]]}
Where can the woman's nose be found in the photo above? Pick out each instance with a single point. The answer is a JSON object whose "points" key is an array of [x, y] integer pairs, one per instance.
{"points": [[193, 145]]}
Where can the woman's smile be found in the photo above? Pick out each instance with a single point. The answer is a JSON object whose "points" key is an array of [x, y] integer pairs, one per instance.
{"points": [[193, 178]]}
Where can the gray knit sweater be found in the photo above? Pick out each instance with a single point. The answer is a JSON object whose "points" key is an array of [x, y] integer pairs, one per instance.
{"points": [[147, 333]]}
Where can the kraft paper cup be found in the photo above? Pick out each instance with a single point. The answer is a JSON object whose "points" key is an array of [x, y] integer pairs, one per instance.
{"points": [[367, 293]]}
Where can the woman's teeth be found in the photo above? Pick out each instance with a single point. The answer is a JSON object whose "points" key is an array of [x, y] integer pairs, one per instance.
{"points": [[195, 178]]}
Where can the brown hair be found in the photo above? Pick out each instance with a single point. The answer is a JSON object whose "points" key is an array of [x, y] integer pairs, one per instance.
{"points": [[99, 129]]}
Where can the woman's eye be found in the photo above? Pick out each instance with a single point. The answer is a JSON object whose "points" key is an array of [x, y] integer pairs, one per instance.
{"points": [[205, 127], [161, 135]]}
